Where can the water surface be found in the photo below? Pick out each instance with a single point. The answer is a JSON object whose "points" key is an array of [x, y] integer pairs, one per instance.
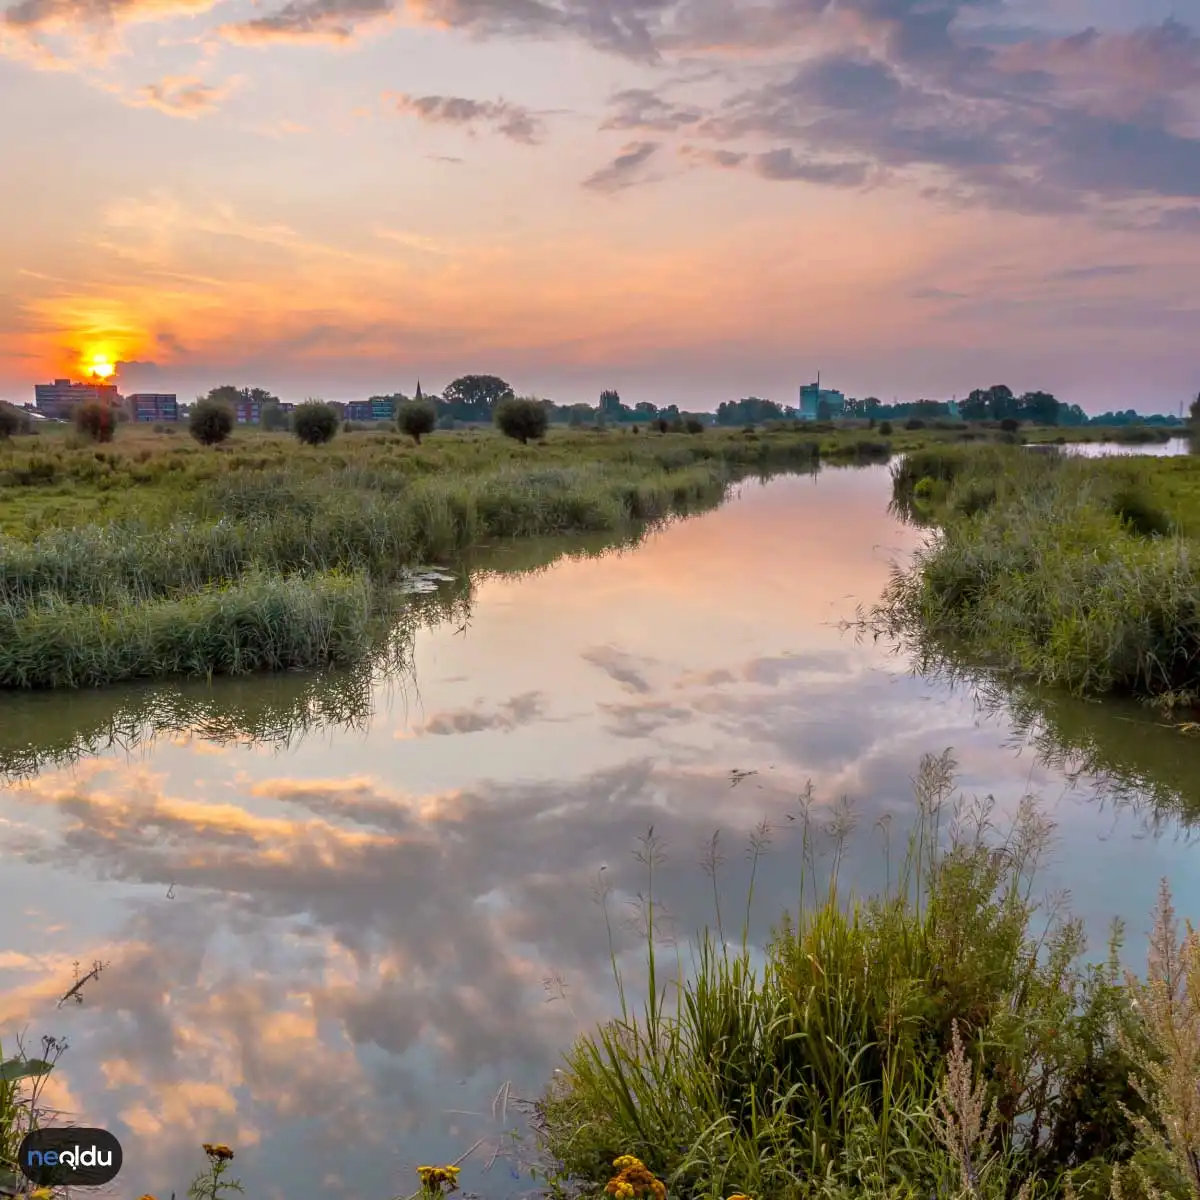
{"points": [[341, 916]]}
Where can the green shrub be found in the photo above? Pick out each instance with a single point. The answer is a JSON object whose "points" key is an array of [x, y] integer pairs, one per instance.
{"points": [[416, 418], [1010, 425], [96, 420], [692, 425], [315, 422], [662, 425], [210, 422], [521, 418], [914, 423], [273, 418], [11, 421], [885, 428]]}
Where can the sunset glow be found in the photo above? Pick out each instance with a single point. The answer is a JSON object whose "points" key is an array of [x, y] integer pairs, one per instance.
{"points": [[712, 201]]}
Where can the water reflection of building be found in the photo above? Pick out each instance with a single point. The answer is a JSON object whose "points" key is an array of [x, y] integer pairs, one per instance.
{"points": [[154, 406], [62, 397], [818, 402]]}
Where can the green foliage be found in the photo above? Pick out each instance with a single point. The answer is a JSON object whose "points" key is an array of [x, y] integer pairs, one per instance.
{"points": [[885, 428], [848, 1062], [315, 422], [693, 426], [1057, 569], [416, 418], [1010, 424], [521, 419], [96, 420], [11, 421], [210, 421], [273, 418]]}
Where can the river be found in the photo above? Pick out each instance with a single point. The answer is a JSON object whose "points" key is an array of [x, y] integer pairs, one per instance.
{"points": [[333, 932]]}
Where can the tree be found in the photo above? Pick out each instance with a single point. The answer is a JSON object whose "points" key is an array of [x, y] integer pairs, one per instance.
{"points": [[1194, 412], [610, 403], [1039, 407], [11, 421], [314, 422], [521, 419], [210, 421], [474, 397], [96, 420], [416, 418], [272, 417]]}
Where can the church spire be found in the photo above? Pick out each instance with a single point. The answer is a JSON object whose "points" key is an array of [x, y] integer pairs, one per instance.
{"points": [[419, 396]]}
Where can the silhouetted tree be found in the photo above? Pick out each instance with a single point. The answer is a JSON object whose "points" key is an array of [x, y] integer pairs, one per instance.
{"points": [[11, 421], [96, 420], [474, 397], [416, 418], [314, 422], [210, 421], [521, 419]]}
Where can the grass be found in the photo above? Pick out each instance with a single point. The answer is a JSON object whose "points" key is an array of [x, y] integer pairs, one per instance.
{"points": [[1066, 572], [945, 1037]]}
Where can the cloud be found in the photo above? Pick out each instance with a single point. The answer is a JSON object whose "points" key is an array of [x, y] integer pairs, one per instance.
{"points": [[619, 666], [512, 714], [181, 96], [301, 21], [782, 164], [1101, 271], [511, 120], [624, 170], [641, 108]]}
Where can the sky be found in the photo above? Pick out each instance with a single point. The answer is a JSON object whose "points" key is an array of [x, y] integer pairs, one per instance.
{"points": [[688, 200]]}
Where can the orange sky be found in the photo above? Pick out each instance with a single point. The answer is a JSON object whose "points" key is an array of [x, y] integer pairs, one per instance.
{"points": [[686, 201]]}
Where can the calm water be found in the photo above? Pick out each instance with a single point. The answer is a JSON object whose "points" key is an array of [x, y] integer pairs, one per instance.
{"points": [[331, 946]]}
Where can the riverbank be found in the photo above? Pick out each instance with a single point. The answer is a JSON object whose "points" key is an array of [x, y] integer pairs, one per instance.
{"points": [[1071, 572], [154, 557]]}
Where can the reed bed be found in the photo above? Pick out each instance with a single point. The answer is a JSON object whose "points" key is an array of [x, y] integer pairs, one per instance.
{"points": [[945, 1037], [1068, 572], [259, 623]]}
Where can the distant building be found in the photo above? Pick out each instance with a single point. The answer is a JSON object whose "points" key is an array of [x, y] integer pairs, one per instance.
{"points": [[813, 396], [154, 406], [247, 411], [62, 397], [378, 408]]}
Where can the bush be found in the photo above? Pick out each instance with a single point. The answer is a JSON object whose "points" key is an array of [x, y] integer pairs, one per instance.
{"points": [[662, 424], [11, 421], [273, 418], [416, 418], [694, 426], [521, 419], [885, 428], [914, 423], [210, 422], [1010, 425], [96, 420], [315, 422]]}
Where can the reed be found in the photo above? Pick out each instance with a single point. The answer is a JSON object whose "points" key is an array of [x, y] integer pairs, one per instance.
{"points": [[1067, 572], [259, 623], [945, 1037]]}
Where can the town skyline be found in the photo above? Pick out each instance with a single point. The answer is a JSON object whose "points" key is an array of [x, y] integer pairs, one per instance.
{"points": [[680, 200]]}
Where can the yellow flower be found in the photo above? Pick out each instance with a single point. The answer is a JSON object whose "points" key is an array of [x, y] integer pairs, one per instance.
{"points": [[47, 1193], [626, 1161], [218, 1150]]}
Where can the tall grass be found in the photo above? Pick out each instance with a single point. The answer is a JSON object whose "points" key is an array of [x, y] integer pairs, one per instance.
{"points": [[1068, 572], [258, 623], [942, 1038]]}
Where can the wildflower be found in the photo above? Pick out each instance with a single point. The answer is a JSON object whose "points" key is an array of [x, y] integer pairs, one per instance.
{"points": [[634, 1179], [218, 1151], [432, 1179]]}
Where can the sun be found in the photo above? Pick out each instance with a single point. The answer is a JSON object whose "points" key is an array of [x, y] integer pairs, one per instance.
{"points": [[99, 364]]}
